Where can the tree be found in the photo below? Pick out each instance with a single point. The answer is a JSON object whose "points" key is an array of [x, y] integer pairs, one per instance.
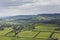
{"points": [[29, 26], [58, 25], [17, 29], [1, 27]]}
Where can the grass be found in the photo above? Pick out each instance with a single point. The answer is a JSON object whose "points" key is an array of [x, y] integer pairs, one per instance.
{"points": [[30, 39], [10, 34], [5, 38], [44, 35], [14, 38], [56, 35], [46, 27], [5, 31], [28, 35]]}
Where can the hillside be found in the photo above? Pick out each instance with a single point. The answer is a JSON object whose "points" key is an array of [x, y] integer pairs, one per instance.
{"points": [[11, 29], [41, 18]]}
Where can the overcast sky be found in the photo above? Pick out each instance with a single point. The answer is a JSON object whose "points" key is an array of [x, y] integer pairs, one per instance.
{"points": [[28, 7]]}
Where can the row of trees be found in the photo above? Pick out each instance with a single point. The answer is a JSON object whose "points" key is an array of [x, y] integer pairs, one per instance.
{"points": [[19, 27], [22, 27]]}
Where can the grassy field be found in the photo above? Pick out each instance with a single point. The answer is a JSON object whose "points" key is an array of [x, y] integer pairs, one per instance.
{"points": [[28, 34], [5, 31], [44, 35], [44, 30], [13, 38], [46, 27], [56, 35]]}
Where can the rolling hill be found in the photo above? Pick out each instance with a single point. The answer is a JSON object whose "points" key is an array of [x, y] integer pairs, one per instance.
{"points": [[41, 18]]}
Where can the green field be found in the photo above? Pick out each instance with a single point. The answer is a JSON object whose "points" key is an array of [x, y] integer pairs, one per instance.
{"points": [[46, 27], [44, 35], [5, 31], [56, 35], [44, 31]]}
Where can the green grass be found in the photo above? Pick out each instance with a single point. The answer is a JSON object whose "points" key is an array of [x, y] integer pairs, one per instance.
{"points": [[6, 30], [14, 38], [27, 34], [5, 38], [56, 35], [44, 35], [30, 39], [46, 27], [10, 34]]}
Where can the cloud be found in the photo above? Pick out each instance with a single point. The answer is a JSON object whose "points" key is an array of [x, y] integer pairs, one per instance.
{"points": [[7, 3], [22, 2], [28, 7]]}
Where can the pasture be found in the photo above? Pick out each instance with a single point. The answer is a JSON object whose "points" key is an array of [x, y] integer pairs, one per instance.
{"points": [[41, 32]]}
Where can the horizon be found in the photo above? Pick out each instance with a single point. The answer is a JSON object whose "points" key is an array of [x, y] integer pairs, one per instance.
{"points": [[27, 15]]}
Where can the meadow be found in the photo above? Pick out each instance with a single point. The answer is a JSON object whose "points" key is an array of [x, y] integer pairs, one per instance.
{"points": [[41, 32]]}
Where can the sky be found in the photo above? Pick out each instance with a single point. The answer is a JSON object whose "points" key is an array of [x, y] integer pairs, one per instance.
{"points": [[28, 7]]}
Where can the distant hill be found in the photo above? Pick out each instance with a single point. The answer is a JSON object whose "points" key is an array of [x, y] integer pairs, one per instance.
{"points": [[41, 18]]}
